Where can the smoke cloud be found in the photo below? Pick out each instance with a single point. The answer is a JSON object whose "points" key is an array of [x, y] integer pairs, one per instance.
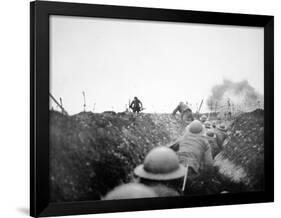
{"points": [[235, 95]]}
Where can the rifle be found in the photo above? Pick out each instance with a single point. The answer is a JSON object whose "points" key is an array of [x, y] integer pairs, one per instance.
{"points": [[185, 178], [84, 98], [129, 105], [200, 105], [198, 110]]}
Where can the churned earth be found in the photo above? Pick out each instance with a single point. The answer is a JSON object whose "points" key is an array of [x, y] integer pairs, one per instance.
{"points": [[242, 159], [91, 153]]}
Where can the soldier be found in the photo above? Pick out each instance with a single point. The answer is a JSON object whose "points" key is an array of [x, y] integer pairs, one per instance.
{"points": [[208, 125], [185, 111], [193, 148], [221, 134], [203, 119], [214, 124], [129, 191], [136, 105], [211, 137], [195, 152], [162, 171]]}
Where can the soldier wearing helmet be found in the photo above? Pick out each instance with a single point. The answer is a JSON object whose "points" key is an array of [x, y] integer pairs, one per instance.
{"points": [[214, 124], [208, 125], [161, 167], [193, 148], [184, 110], [221, 134], [211, 137], [129, 191], [136, 105], [203, 118]]}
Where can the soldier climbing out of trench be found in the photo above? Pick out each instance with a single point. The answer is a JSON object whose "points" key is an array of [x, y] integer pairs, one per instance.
{"points": [[185, 111], [136, 105]]}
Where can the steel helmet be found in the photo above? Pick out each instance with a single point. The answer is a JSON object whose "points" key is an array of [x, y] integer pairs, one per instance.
{"points": [[195, 127], [208, 124], [210, 133], [203, 118], [161, 163], [164, 191], [130, 190], [222, 127]]}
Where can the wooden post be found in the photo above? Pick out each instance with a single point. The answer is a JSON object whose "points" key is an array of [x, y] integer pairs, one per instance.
{"points": [[58, 104], [84, 98]]}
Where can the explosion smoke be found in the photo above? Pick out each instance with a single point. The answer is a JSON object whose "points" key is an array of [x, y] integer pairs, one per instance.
{"points": [[234, 96]]}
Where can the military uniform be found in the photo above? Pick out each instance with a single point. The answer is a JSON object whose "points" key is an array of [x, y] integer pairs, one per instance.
{"points": [[193, 147], [185, 111], [211, 137], [221, 135], [136, 105]]}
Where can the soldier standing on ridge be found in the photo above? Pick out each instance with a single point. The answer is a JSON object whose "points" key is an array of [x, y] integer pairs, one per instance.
{"points": [[136, 105]]}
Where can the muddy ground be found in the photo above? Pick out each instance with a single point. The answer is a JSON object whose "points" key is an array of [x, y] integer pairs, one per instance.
{"points": [[92, 153]]}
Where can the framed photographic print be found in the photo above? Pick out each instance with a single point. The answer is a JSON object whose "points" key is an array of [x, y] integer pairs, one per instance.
{"points": [[145, 108]]}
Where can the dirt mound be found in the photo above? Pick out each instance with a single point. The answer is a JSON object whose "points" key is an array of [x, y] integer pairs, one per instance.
{"points": [[93, 153], [242, 159]]}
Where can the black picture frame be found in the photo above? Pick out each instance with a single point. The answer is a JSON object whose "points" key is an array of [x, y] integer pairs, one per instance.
{"points": [[39, 106]]}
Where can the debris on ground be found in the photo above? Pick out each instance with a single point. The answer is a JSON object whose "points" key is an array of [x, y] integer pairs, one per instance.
{"points": [[91, 153], [242, 159]]}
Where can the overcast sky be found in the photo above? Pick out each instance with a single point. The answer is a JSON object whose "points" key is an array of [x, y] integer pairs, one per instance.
{"points": [[162, 63]]}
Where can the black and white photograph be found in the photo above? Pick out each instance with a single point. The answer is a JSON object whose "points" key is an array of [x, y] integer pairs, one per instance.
{"points": [[147, 109], [141, 108]]}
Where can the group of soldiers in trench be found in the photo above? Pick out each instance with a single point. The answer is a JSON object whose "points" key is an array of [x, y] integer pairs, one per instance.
{"points": [[169, 170]]}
